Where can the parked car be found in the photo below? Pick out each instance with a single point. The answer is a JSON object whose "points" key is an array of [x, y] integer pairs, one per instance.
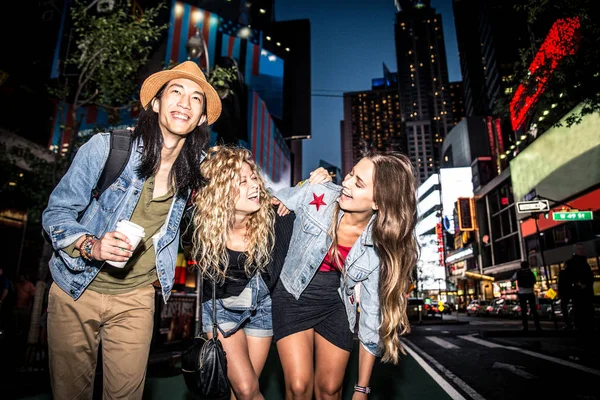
{"points": [[482, 310], [542, 306], [474, 307], [501, 307], [558, 310]]}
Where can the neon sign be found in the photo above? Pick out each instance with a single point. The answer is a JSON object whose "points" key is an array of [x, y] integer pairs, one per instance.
{"points": [[562, 41], [440, 242]]}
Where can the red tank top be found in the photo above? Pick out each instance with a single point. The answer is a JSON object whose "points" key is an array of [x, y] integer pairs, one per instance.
{"points": [[327, 265]]}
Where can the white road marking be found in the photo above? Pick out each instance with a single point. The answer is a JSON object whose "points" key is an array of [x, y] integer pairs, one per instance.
{"points": [[442, 342], [556, 360], [445, 331], [480, 342], [419, 354], [534, 354], [515, 369]]}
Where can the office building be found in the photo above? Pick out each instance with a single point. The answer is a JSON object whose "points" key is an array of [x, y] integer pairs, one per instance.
{"points": [[423, 83], [372, 121]]}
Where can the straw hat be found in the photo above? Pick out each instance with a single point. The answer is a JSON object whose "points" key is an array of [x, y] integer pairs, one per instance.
{"points": [[187, 70]]}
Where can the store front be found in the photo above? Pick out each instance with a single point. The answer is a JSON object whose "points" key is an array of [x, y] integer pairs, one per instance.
{"points": [[463, 272]]}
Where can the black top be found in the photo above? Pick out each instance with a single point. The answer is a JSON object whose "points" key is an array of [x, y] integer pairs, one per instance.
{"points": [[237, 279]]}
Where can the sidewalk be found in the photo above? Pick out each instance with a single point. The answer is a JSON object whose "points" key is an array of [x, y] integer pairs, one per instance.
{"points": [[407, 380]]}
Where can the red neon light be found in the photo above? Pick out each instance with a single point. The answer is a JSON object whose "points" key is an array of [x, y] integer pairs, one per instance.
{"points": [[491, 139], [499, 136], [440, 242], [562, 41]]}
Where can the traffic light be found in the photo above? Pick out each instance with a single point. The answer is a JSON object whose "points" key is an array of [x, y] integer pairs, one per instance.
{"points": [[466, 214]]}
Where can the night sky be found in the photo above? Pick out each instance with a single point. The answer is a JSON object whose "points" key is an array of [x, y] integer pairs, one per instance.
{"points": [[350, 40]]}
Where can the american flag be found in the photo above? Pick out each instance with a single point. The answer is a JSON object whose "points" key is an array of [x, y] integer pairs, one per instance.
{"points": [[221, 36]]}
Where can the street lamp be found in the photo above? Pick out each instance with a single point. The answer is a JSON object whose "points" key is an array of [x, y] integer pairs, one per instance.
{"points": [[196, 46]]}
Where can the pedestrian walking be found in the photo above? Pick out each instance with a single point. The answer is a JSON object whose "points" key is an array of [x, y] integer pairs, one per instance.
{"points": [[358, 235], [526, 281], [92, 301], [582, 279], [565, 293]]}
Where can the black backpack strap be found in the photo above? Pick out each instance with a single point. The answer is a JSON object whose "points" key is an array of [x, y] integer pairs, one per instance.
{"points": [[120, 149]]}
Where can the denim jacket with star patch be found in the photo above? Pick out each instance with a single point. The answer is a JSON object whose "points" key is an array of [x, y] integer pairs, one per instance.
{"points": [[314, 206], [72, 195]]}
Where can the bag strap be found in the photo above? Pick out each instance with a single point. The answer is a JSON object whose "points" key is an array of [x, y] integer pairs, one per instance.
{"points": [[120, 149], [214, 308]]}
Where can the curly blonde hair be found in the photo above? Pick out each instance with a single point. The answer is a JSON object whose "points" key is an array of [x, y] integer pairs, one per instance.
{"points": [[214, 215]]}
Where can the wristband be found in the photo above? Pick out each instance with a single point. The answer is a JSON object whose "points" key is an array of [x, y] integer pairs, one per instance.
{"points": [[86, 247], [362, 389]]}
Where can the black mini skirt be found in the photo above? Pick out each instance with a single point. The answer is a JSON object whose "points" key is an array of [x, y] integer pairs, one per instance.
{"points": [[319, 307]]}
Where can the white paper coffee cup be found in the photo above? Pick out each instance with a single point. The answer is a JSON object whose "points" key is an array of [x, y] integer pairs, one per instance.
{"points": [[134, 233]]}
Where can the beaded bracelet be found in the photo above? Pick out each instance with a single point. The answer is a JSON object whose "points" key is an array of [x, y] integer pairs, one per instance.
{"points": [[86, 247], [362, 389]]}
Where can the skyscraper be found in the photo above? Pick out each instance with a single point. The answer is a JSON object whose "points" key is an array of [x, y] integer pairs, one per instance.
{"points": [[372, 120], [457, 101], [423, 83], [489, 35]]}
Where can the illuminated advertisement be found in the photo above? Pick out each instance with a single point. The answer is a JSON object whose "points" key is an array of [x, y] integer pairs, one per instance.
{"points": [[270, 150], [221, 36], [92, 119], [560, 163], [562, 41], [426, 204], [177, 318], [261, 70], [431, 275], [455, 183]]}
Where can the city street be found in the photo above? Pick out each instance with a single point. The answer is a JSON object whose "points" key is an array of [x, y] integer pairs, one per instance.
{"points": [[492, 359], [475, 358]]}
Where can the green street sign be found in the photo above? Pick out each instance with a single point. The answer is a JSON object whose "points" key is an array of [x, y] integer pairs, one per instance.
{"points": [[573, 215]]}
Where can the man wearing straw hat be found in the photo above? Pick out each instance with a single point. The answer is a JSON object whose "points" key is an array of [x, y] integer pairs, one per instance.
{"points": [[91, 301]]}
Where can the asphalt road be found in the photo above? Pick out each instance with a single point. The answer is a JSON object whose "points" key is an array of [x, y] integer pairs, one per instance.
{"points": [[476, 358], [490, 358]]}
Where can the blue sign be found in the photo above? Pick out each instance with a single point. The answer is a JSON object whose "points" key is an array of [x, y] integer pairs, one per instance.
{"points": [[448, 224]]}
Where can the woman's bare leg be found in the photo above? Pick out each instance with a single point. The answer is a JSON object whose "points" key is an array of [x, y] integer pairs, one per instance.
{"points": [[331, 362], [296, 353], [240, 371]]}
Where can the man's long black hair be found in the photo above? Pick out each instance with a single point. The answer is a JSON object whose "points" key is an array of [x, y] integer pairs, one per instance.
{"points": [[185, 173]]}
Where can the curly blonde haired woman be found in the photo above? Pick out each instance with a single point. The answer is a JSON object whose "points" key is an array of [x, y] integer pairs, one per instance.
{"points": [[240, 242]]}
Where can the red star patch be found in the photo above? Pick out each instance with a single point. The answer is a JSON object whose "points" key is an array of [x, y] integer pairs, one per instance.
{"points": [[318, 201]]}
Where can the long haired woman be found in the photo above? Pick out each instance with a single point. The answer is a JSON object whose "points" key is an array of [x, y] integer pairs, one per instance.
{"points": [[359, 233]]}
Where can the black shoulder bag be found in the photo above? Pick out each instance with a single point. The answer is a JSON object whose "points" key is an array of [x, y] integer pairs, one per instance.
{"points": [[204, 364]]}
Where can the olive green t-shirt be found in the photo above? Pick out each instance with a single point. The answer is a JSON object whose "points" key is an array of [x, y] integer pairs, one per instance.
{"points": [[140, 270]]}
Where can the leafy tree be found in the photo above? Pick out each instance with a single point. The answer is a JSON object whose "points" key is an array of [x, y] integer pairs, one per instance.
{"points": [[109, 50], [576, 79]]}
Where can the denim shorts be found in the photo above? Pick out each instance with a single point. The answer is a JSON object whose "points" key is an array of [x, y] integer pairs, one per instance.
{"points": [[250, 311]]}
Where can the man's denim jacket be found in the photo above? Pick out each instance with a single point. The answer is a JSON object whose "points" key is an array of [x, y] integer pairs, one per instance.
{"points": [[314, 206], [72, 195]]}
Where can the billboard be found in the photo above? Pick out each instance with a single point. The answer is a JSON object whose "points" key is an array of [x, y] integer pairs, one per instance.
{"points": [[455, 183], [269, 148], [431, 275], [561, 162]]}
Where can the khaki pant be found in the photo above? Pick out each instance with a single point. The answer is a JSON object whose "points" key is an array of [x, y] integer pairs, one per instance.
{"points": [[123, 323]]}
